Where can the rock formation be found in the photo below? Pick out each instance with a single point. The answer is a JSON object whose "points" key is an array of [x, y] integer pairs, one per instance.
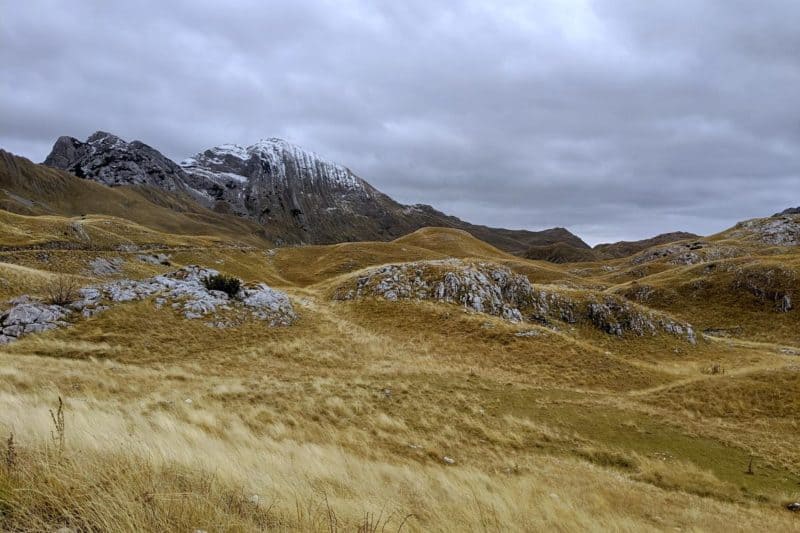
{"points": [[496, 290], [183, 290], [107, 159], [780, 230]]}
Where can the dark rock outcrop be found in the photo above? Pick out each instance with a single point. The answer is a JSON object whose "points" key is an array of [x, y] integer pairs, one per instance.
{"points": [[109, 160]]}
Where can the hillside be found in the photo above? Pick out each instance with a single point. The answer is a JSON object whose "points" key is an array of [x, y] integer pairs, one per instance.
{"points": [[628, 248], [429, 383], [30, 189]]}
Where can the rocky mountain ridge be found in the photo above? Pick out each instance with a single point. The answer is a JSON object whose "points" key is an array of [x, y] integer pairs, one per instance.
{"points": [[295, 195], [107, 159]]}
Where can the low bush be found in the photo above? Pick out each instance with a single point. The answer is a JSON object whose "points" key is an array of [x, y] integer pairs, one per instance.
{"points": [[230, 285], [63, 290]]}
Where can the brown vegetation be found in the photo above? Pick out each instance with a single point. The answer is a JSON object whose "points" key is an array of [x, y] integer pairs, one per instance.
{"points": [[343, 421]]}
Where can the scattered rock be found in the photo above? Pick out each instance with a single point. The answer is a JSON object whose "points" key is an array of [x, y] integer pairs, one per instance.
{"points": [[528, 333], [101, 266], [483, 288], [616, 317], [154, 259], [187, 292], [448, 460], [794, 507], [790, 351]]}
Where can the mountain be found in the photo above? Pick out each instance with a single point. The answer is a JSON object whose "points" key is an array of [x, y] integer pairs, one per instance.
{"points": [[295, 195], [790, 211]]}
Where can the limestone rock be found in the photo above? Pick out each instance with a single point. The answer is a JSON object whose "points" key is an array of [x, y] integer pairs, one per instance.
{"points": [[495, 290], [185, 291], [779, 230], [101, 266], [27, 315], [687, 253], [268, 304]]}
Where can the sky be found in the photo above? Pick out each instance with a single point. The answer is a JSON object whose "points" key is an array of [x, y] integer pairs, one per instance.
{"points": [[617, 119]]}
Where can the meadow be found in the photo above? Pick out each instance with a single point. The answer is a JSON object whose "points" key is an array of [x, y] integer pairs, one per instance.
{"points": [[373, 415]]}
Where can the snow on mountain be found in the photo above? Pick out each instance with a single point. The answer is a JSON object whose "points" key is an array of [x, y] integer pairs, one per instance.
{"points": [[281, 160]]}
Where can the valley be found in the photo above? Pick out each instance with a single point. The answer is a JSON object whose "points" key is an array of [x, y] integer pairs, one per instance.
{"points": [[410, 413]]}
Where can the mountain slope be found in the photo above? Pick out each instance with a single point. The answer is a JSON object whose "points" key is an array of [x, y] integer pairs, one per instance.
{"points": [[627, 248], [30, 189], [295, 195], [314, 200]]}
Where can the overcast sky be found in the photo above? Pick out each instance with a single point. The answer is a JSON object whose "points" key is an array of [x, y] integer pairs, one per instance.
{"points": [[618, 119]]}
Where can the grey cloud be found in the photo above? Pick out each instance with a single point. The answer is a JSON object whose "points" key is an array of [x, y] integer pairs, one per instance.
{"points": [[614, 118]]}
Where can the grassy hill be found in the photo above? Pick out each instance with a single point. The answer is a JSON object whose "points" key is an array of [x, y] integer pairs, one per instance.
{"points": [[370, 414]]}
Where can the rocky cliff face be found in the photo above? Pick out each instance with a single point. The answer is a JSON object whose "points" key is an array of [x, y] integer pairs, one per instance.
{"points": [[298, 195], [109, 160], [295, 195]]}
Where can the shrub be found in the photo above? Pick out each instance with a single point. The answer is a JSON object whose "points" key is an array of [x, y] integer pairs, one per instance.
{"points": [[230, 285], [62, 291]]}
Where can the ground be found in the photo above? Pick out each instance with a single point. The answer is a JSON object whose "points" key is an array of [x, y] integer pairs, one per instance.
{"points": [[376, 415]]}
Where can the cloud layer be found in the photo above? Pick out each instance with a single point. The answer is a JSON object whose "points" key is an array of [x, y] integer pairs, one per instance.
{"points": [[614, 118]]}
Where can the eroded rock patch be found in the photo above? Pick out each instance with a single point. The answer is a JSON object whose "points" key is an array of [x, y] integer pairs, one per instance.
{"points": [[183, 290], [496, 290]]}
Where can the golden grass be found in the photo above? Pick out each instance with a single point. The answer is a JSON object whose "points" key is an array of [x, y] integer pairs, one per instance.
{"points": [[342, 421], [192, 466]]}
